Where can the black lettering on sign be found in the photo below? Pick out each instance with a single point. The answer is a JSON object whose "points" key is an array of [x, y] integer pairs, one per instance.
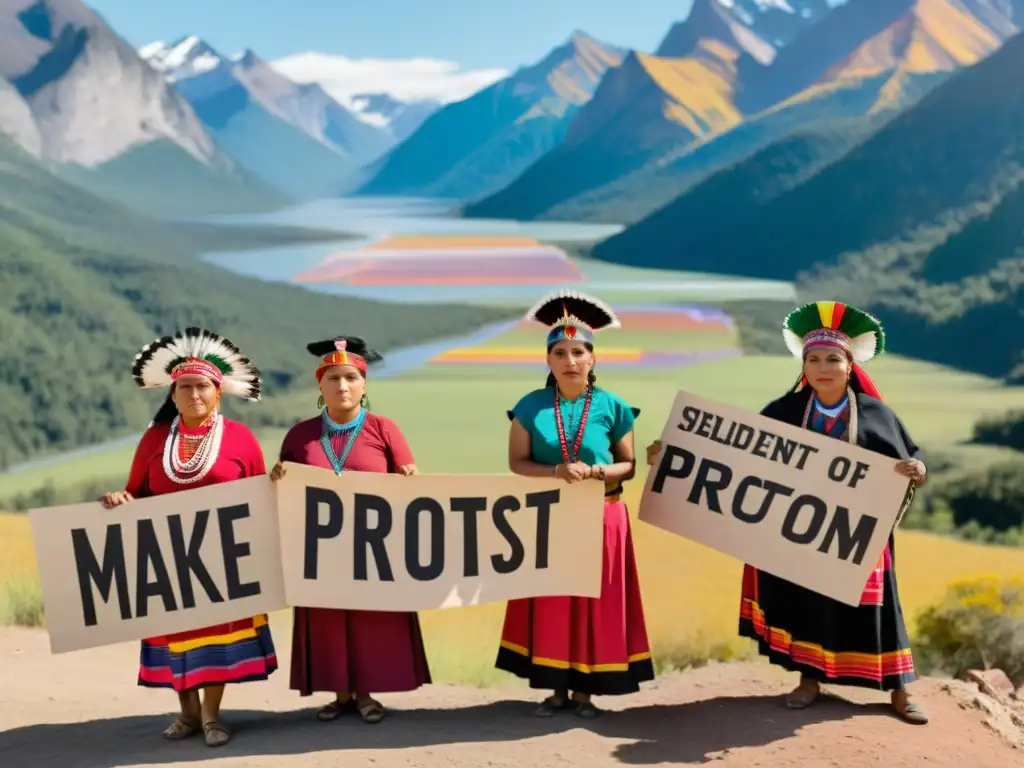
{"points": [[148, 552], [689, 418], [111, 574], [188, 561], [234, 550], [704, 482], [818, 514], [725, 439], [502, 506], [744, 437], [704, 429], [317, 531], [853, 543], [470, 507], [859, 473], [666, 467], [784, 450], [366, 537], [805, 452], [435, 565], [772, 489], [761, 446], [543, 500], [839, 468]]}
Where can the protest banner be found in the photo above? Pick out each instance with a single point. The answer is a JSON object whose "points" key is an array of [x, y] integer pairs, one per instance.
{"points": [[807, 508], [158, 565], [374, 541]]}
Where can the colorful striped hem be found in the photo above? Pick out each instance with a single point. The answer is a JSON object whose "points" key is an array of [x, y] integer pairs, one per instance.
{"points": [[586, 669], [248, 655], [888, 671]]}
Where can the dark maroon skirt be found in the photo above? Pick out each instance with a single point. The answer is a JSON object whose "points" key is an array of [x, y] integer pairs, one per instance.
{"points": [[358, 652]]}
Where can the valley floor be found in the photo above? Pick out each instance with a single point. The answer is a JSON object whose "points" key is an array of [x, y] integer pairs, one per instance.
{"points": [[83, 709]]}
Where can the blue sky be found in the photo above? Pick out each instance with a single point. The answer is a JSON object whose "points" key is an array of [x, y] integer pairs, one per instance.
{"points": [[474, 33]]}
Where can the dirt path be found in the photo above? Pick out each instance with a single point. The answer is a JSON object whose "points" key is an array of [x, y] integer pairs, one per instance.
{"points": [[83, 709]]}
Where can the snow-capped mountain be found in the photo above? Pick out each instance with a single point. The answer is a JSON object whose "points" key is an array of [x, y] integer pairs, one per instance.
{"points": [[393, 94], [398, 118], [294, 136], [201, 73]]}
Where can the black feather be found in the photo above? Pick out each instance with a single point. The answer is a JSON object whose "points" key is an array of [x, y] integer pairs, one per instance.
{"points": [[590, 311], [353, 344]]}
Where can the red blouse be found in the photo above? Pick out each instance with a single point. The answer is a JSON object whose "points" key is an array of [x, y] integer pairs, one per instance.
{"points": [[380, 447], [240, 457]]}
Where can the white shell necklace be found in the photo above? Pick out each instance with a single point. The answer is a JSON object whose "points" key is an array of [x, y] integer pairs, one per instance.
{"points": [[201, 462]]}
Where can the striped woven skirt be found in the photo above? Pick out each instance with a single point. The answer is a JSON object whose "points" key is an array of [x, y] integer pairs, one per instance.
{"points": [[238, 652], [595, 646], [831, 642]]}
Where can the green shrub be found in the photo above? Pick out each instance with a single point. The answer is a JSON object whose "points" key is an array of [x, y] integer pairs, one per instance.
{"points": [[979, 624]]}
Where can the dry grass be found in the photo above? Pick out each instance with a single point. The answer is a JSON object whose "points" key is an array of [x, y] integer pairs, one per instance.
{"points": [[691, 595]]}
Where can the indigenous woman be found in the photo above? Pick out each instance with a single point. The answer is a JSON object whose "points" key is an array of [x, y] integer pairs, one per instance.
{"points": [[351, 654], [577, 432], [191, 445], [824, 640]]}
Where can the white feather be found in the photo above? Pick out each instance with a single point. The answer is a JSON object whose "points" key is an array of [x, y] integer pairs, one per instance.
{"points": [[793, 342], [863, 347]]}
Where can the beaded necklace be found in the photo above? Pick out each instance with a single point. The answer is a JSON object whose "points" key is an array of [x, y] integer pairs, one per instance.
{"points": [[353, 428], [563, 443], [199, 464]]}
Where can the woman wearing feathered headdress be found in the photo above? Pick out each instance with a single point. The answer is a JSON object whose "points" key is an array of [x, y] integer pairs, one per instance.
{"points": [[191, 445], [572, 430], [824, 640], [352, 654]]}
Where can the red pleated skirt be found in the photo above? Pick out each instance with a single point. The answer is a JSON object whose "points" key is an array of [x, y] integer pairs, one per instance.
{"points": [[357, 652], [596, 646]]}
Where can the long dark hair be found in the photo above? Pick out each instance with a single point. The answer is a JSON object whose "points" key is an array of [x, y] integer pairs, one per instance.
{"points": [[167, 411], [591, 376]]}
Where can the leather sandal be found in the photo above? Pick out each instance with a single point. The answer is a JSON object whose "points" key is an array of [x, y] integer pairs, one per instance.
{"points": [[181, 729], [336, 709], [371, 711], [586, 709], [802, 697], [911, 713], [215, 734], [553, 704]]}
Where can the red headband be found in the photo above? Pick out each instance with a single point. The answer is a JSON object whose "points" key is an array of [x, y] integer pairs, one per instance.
{"points": [[195, 366], [826, 337], [341, 357]]}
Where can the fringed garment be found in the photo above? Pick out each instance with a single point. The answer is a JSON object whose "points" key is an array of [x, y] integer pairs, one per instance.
{"points": [[594, 646], [821, 638], [238, 651]]}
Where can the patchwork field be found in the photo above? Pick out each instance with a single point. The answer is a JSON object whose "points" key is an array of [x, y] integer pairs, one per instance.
{"points": [[447, 260], [651, 337]]}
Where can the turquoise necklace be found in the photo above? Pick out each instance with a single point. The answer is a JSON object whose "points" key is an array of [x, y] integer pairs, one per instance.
{"points": [[330, 428]]}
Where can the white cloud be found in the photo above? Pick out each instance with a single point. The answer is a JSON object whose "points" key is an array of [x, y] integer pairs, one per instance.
{"points": [[404, 79]]}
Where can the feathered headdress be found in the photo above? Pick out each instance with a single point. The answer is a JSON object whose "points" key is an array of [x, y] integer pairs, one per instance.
{"points": [[343, 350], [198, 352], [833, 324], [572, 316]]}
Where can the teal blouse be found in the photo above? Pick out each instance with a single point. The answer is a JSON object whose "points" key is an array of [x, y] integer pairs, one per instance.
{"points": [[610, 419]]}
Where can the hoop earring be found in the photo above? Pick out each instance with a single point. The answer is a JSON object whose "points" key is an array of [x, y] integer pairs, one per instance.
{"points": [[320, 401]]}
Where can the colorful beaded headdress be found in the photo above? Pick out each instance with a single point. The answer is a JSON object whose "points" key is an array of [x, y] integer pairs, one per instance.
{"points": [[197, 352], [343, 350], [823, 324], [572, 316]]}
